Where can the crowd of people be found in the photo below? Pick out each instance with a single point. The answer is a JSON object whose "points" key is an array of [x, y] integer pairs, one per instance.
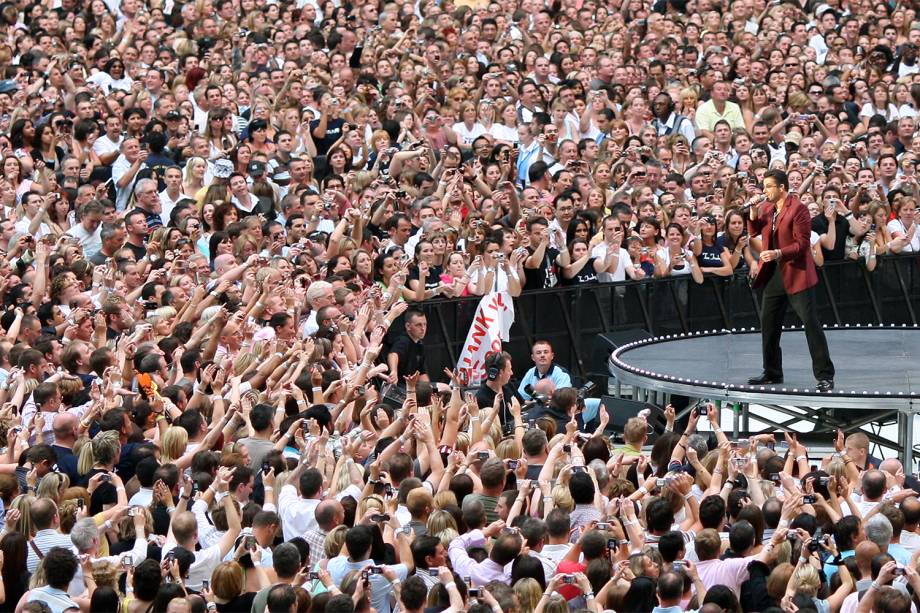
{"points": [[220, 221]]}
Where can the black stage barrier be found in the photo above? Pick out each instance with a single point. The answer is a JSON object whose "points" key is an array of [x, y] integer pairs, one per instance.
{"points": [[573, 318]]}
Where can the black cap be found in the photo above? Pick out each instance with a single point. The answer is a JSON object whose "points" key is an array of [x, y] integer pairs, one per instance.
{"points": [[173, 115], [256, 168]]}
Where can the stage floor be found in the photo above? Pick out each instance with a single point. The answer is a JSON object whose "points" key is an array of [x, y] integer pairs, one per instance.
{"points": [[880, 363]]}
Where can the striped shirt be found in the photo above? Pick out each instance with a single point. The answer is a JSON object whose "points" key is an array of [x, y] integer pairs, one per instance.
{"points": [[44, 540]]}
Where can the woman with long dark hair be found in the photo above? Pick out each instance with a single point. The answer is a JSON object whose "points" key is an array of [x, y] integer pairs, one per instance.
{"points": [[710, 251], [220, 243], [21, 133], [14, 551], [258, 137], [220, 141], [584, 267], [641, 596], [736, 242], [45, 144]]}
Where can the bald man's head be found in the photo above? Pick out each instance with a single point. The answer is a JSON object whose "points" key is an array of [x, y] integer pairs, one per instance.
{"points": [[865, 551], [911, 509], [329, 514], [544, 386], [44, 514], [891, 466], [223, 263], [65, 427], [874, 483], [763, 454]]}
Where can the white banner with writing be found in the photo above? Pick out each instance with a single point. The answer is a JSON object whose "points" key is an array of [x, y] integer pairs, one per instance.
{"points": [[491, 326]]}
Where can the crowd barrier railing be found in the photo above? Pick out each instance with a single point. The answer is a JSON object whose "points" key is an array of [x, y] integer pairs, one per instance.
{"points": [[572, 318]]}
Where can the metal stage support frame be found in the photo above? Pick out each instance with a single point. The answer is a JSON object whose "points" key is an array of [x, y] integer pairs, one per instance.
{"points": [[647, 366]]}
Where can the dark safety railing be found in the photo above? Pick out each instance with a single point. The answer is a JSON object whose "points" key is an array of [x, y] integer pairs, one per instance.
{"points": [[573, 318]]}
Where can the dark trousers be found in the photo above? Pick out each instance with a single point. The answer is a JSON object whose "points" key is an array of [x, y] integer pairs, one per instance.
{"points": [[775, 301]]}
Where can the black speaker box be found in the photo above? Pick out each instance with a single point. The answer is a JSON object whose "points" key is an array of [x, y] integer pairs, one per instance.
{"points": [[620, 410], [607, 343]]}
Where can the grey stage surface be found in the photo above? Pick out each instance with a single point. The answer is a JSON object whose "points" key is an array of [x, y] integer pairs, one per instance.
{"points": [[878, 365]]}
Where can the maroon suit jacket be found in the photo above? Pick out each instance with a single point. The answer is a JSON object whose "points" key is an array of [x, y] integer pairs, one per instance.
{"points": [[792, 237]]}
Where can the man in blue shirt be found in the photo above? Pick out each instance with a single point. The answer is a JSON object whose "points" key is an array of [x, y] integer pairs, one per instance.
{"points": [[848, 533], [544, 367], [358, 541]]}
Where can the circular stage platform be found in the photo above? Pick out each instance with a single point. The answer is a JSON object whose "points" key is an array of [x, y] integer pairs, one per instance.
{"points": [[877, 367]]}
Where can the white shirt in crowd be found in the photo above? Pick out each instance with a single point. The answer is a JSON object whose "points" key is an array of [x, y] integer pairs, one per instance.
{"points": [[896, 226], [297, 514], [623, 263]]}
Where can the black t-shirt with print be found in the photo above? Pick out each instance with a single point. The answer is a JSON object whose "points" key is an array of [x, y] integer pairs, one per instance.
{"points": [[585, 276], [546, 275]]}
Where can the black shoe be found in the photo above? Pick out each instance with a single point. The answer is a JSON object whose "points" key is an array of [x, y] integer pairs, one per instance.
{"points": [[765, 379], [825, 385]]}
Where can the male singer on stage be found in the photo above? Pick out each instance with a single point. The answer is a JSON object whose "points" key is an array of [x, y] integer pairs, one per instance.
{"points": [[787, 275]]}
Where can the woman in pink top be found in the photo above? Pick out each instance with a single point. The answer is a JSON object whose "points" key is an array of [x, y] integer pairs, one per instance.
{"points": [[454, 279]]}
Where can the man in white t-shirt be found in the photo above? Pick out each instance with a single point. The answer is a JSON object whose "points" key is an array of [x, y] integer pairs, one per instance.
{"points": [[211, 100], [171, 196], [613, 239], [125, 169], [108, 145], [910, 540], [89, 230], [33, 201], [874, 487], [185, 532], [319, 295]]}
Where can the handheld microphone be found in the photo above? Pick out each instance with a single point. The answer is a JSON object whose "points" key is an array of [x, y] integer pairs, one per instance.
{"points": [[754, 202]]}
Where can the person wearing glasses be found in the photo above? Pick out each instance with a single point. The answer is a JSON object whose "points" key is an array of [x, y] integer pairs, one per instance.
{"points": [[113, 76], [276, 239], [528, 102], [147, 201]]}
